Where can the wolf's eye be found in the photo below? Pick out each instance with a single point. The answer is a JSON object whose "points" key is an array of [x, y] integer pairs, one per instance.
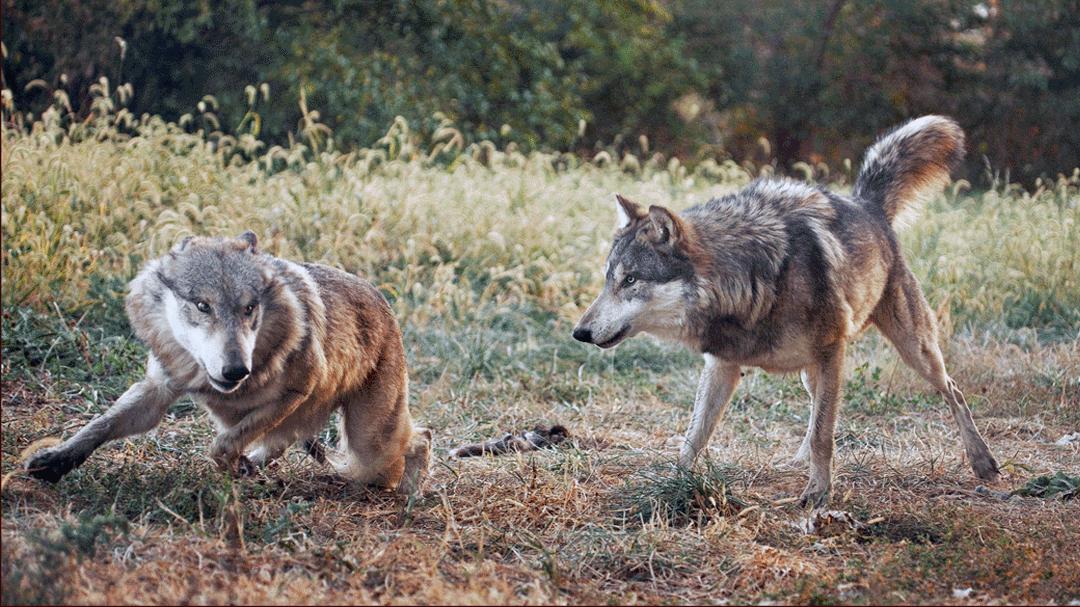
{"points": [[202, 306], [249, 309], [629, 280]]}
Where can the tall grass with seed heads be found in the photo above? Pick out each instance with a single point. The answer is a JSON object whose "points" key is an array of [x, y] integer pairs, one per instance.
{"points": [[446, 231]]}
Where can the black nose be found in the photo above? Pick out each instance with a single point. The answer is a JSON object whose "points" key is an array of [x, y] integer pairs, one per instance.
{"points": [[235, 373], [584, 335]]}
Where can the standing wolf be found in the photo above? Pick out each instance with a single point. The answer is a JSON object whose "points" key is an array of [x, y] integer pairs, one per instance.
{"points": [[783, 276], [271, 348]]}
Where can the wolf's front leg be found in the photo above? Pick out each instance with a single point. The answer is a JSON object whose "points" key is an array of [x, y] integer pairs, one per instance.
{"points": [[138, 410], [802, 457], [718, 381], [228, 448], [824, 378]]}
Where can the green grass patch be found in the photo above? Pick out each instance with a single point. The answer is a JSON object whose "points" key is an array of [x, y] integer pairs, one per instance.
{"points": [[668, 494], [1059, 485]]}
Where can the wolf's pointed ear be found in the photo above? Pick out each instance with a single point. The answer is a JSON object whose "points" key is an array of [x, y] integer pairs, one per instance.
{"points": [[180, 246], [665, 229], [251, 239], [628, 211]]}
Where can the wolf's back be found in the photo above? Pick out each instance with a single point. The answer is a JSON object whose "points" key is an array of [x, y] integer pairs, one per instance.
{"points": [[909, 165]]}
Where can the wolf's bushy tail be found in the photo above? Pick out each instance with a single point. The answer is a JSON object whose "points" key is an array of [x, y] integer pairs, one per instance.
{"points": [[909, 165]]}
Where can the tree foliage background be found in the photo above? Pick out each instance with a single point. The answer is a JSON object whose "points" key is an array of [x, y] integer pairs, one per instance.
{"points": [[754, 80]]}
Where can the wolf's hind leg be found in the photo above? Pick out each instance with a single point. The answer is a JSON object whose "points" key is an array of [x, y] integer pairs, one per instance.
{"points": [[379, 442], [905, 318], [138, 410], [718, 382]]}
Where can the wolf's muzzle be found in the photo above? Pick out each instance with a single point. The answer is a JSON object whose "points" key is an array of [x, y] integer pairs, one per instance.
{"points": [[586, 335]]}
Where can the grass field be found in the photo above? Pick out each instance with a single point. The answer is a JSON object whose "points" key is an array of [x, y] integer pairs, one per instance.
{"points": [[488, 258]]}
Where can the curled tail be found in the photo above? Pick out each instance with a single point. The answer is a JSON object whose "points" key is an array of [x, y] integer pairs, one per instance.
{"points": [[910, 164]]}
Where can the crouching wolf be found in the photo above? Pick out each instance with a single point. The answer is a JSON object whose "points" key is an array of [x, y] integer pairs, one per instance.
{"points": [[783, 276], [271, 348]]}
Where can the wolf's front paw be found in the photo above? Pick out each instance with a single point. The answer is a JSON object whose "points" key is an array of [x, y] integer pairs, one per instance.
{"points": [[417, 462], [245, 467], [687, 455], [228, 458], [985, 467], [816, 494], [237, 465], [51, 465]]}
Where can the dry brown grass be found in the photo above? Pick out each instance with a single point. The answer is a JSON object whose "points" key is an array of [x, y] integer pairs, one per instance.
{"points": [[549, 527]]}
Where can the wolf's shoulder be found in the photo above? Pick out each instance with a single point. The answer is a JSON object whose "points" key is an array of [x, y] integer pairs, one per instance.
{"points": [[333, 278], [339, 287]]}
